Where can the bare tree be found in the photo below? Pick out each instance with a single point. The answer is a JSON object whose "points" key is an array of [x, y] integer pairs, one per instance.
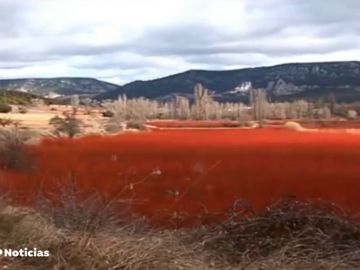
{"points": [[276, 111], [181, 108], [258, 102], [87, 102], [299, 108], [118, 111], [139, 110], [75, 102], [332, 102], [203, 101], [326, 113]]}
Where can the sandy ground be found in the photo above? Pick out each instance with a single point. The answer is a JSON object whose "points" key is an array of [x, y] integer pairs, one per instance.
{"points": [[37, 120], [30, 119]]}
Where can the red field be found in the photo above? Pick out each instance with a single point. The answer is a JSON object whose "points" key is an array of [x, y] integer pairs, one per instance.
{"points": [[187, 176]]}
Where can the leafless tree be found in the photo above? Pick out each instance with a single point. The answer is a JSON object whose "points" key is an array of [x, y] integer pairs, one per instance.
{"points": [[181, 108], [203, 102], [118, 112], [87, 102], [332, 102], [258, 102], [205, 107], [75, 101], [326, 113]]}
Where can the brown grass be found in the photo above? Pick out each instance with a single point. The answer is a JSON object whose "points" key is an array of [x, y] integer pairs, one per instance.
{"points": [[287, 235]]}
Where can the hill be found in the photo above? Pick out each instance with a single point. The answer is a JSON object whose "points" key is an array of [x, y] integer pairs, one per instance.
{"points": [[57, 87], [283, 82]]}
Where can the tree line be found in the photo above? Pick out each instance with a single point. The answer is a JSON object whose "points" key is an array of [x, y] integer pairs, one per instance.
{"points": [[204, 107]]}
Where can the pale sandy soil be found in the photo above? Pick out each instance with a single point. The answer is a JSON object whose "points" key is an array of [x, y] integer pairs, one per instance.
{"points": [[37, 120], [30, 119]]}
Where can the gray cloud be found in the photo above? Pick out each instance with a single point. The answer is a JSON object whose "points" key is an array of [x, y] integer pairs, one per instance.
{"points": [[118, 41], [270, 43], [11, 17]]}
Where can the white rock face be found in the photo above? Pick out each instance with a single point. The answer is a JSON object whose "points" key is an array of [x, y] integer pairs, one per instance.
{"points": [[242, 88], [282, 88], [52, 95]]}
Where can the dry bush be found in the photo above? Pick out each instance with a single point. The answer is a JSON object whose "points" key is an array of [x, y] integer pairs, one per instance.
{"points": [[113, 126], [13, 154], [136, 124], [85, 211], [22, 109], [4, 122], [22, 227], [69, 125], [351, 114], [287, 235], [107, 114], [106, 247]]}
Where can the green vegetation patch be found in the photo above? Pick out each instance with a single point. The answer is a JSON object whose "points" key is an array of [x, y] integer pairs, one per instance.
{"points": [[16, 98]]}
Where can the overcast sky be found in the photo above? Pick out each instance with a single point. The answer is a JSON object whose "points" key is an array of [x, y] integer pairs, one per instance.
{"points": [[121, 41]]}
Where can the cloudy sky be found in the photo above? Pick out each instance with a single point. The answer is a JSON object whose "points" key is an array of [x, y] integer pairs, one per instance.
{"points": [[121, 41]]}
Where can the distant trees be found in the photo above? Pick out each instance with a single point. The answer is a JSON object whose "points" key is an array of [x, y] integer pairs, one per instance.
{"points": [[203, 107]]}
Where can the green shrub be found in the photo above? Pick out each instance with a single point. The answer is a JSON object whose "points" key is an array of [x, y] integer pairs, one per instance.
{"points": [[4, 108]]}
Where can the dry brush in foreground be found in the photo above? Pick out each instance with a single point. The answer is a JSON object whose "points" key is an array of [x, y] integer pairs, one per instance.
{"points": [[287, 235]]}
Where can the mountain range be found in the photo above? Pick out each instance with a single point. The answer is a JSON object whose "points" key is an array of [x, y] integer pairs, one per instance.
{"points": [[282, 82], [58, 87]]}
